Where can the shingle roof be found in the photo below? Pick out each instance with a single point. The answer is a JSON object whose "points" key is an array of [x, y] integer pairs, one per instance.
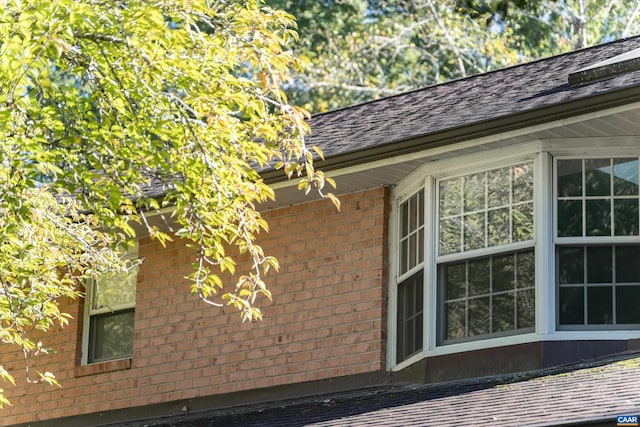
{"points": [[481, 99], [598, 391]]}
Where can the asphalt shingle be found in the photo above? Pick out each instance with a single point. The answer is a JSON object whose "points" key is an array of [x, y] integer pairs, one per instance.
{"points": [[561, 396], [464, 102]]}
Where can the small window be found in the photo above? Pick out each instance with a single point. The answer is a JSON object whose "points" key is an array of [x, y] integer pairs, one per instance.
{"points": [[109, 314], [410, 285]]}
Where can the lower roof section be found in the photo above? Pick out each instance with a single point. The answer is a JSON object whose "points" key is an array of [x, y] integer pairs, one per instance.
{"points": [[586, 393]]}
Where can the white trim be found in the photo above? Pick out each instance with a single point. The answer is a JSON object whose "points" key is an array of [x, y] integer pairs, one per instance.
{"points": [[409, 361], [392, 324], [518, 339], [601, 335], [544, 220], [482, 344], [484, 252], [392, 306], [430, 277], [488, 160], [593, 147]]}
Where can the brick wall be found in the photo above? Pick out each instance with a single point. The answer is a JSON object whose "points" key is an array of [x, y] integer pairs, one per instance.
{"points": [[327, 320]]}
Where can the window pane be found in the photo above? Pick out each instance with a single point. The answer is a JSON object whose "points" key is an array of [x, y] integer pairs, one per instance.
{"points": [[598, 177], [450, 235], [526, 308], [497, 209], [413, 213], [450, 197], [115, 289], [569, 178], [628, 265], [503, 274], [474, 231], [625, 213], [522, 183], [595, 213], [479, 277], [525, 277], [598, 217], [479, 316], [480, 295], [455, 320], [600, 305], [413, 250], [420, 208], [417, 332], [474, 192], [572, 305], [571, 265], [569, 218], [404, 219], [455, 281], [599, 264], [625, 180], [499, 227], [627, 299], [420, 246], [499, 181], [404, 256], [523, 222], [502, 312], [111, 335], [418, 293]]}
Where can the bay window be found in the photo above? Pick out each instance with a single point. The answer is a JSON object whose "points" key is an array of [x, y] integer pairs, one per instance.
{"points": [[475, 268]]}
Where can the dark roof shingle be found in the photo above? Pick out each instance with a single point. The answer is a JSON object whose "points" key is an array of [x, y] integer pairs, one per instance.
{"points": [[474, 100], [560, 396]]}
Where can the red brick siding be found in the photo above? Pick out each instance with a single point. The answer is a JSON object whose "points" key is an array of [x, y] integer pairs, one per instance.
{"points": [[327, 320]]}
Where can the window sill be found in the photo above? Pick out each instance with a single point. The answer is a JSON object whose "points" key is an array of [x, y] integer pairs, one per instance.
{"points": [[103, 367]]}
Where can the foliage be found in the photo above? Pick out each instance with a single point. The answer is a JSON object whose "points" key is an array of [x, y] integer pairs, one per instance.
{"points": [[365, 49], [105, 103]]}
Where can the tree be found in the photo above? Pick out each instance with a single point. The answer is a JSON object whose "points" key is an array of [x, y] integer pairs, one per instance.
{"points": [[365, 49], [102, 102]]}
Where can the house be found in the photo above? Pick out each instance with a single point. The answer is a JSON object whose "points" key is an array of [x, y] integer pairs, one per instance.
{"points": [[490, 226]]}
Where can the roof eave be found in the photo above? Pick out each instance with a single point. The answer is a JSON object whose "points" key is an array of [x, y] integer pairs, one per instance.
{"points": [[475, 130]]}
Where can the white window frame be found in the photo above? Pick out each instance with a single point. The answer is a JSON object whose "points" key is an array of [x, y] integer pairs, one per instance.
{"points": [[542, 153], [130, 255], [587, 241]]}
